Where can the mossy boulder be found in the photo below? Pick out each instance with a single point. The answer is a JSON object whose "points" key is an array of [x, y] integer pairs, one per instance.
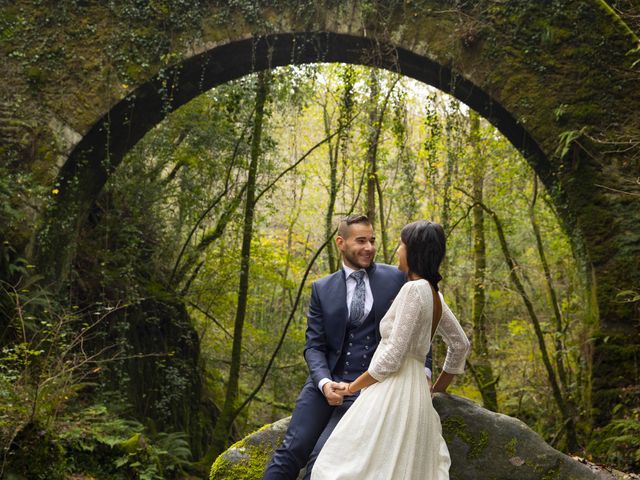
{"points": [[484, 446], [34, 454], [247, 459]]}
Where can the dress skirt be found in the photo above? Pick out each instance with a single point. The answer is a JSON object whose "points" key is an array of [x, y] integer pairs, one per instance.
{"points": [[391, 432]]}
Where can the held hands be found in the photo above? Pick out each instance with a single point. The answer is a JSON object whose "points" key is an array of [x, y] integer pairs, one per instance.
{"points": [[344, 388], [335, 392]]}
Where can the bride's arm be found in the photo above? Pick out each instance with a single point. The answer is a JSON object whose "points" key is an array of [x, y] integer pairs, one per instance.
{"points": [[359, 383], [458, 347], [443, 381]]}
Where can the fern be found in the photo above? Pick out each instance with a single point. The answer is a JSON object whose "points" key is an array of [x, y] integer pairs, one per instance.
{"points": [[618, 442]]}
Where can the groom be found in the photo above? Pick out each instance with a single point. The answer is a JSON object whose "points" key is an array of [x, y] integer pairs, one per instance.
{"points": [[342, 334]]}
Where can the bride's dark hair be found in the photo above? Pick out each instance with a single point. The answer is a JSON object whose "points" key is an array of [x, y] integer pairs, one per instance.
{"points": [[425, 245]]}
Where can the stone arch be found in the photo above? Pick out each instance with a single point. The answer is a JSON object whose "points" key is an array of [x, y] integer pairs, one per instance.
{"points": [[558, 78], [99, 152]]}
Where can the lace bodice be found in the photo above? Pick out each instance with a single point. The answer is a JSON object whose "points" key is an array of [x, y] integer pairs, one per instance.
{"points": [[406, 330]]}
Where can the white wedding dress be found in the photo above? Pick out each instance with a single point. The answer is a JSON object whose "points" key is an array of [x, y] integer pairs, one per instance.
{"points": [[392, 431]]}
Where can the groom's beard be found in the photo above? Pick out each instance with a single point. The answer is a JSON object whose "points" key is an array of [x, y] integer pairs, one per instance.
{"points": [[359, 261]]}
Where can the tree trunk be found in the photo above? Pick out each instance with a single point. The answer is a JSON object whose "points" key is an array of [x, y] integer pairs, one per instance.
{"points": [[333, 192], [372, 144], [451, 158], [224, 422], [568, 420], [553, 298], [560, 348], [376, 117], [482, 370]]}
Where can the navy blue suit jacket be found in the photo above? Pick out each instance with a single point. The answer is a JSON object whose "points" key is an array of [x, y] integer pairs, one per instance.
{"points": [[328, 315]]}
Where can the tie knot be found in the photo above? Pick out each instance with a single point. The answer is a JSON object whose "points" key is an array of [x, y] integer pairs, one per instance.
{"points": [[358, 276]]}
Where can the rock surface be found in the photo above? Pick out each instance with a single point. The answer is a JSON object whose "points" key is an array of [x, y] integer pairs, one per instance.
{"points": [[484, 446]]}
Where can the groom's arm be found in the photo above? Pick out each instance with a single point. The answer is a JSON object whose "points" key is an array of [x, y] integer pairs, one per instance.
{"points": [[315, 349]]}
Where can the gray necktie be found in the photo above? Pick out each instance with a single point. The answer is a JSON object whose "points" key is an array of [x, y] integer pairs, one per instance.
{"points": [[357, 302]]}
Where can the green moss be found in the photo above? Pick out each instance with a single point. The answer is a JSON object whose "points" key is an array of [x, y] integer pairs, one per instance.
{"points": [[35, 75], [249, 461], [8, 25], [134, 72], [455, 426], [552, 473], [617, 20], [37, 454], [511, 446]]}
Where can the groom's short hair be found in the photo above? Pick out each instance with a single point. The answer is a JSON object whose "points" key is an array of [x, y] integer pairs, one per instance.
{"points": [[346, 222]]}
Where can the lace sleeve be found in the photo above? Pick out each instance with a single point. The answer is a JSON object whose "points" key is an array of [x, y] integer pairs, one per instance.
{"points": [[393, 349], [457, 342]]}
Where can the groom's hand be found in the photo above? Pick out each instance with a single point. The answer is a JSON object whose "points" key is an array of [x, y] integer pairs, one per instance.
{"points": [[342, 389], [332, 393]]}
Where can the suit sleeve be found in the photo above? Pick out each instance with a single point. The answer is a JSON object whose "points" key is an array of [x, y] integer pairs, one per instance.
{"points": [[315, 349]]}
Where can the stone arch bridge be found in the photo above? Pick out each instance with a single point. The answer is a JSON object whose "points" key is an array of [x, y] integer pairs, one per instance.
{"points": [[83, 81]]}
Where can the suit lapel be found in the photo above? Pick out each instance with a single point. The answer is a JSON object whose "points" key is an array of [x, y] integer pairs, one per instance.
{"points": [[376, 291], [338, 295]]}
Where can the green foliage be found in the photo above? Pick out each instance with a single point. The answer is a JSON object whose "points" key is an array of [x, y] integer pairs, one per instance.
{"points": [[45, 365], [628, 296], [98, 442], [36, 454], [85, 429], [424, 160], [618, 443], [48, 426], [164, 458], [166, 231], [567, 139], [19, 193]]}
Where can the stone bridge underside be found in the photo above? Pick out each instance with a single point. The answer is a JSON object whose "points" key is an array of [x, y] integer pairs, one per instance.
{"points": [[85, 80]]}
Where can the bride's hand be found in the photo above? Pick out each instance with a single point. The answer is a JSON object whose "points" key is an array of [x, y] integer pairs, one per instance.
{"points": [[343, 390]]}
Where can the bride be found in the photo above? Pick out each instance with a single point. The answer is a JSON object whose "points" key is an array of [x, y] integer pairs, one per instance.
{"points": [[392, 431]]}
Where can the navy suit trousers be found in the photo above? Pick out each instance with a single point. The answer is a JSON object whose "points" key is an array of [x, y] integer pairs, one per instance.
{"points": [[313, 418]]}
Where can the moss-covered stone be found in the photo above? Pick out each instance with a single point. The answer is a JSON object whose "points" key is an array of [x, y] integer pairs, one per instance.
{"points": [[35, 454], [483, 446], [247, 459], [454, 426]]}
